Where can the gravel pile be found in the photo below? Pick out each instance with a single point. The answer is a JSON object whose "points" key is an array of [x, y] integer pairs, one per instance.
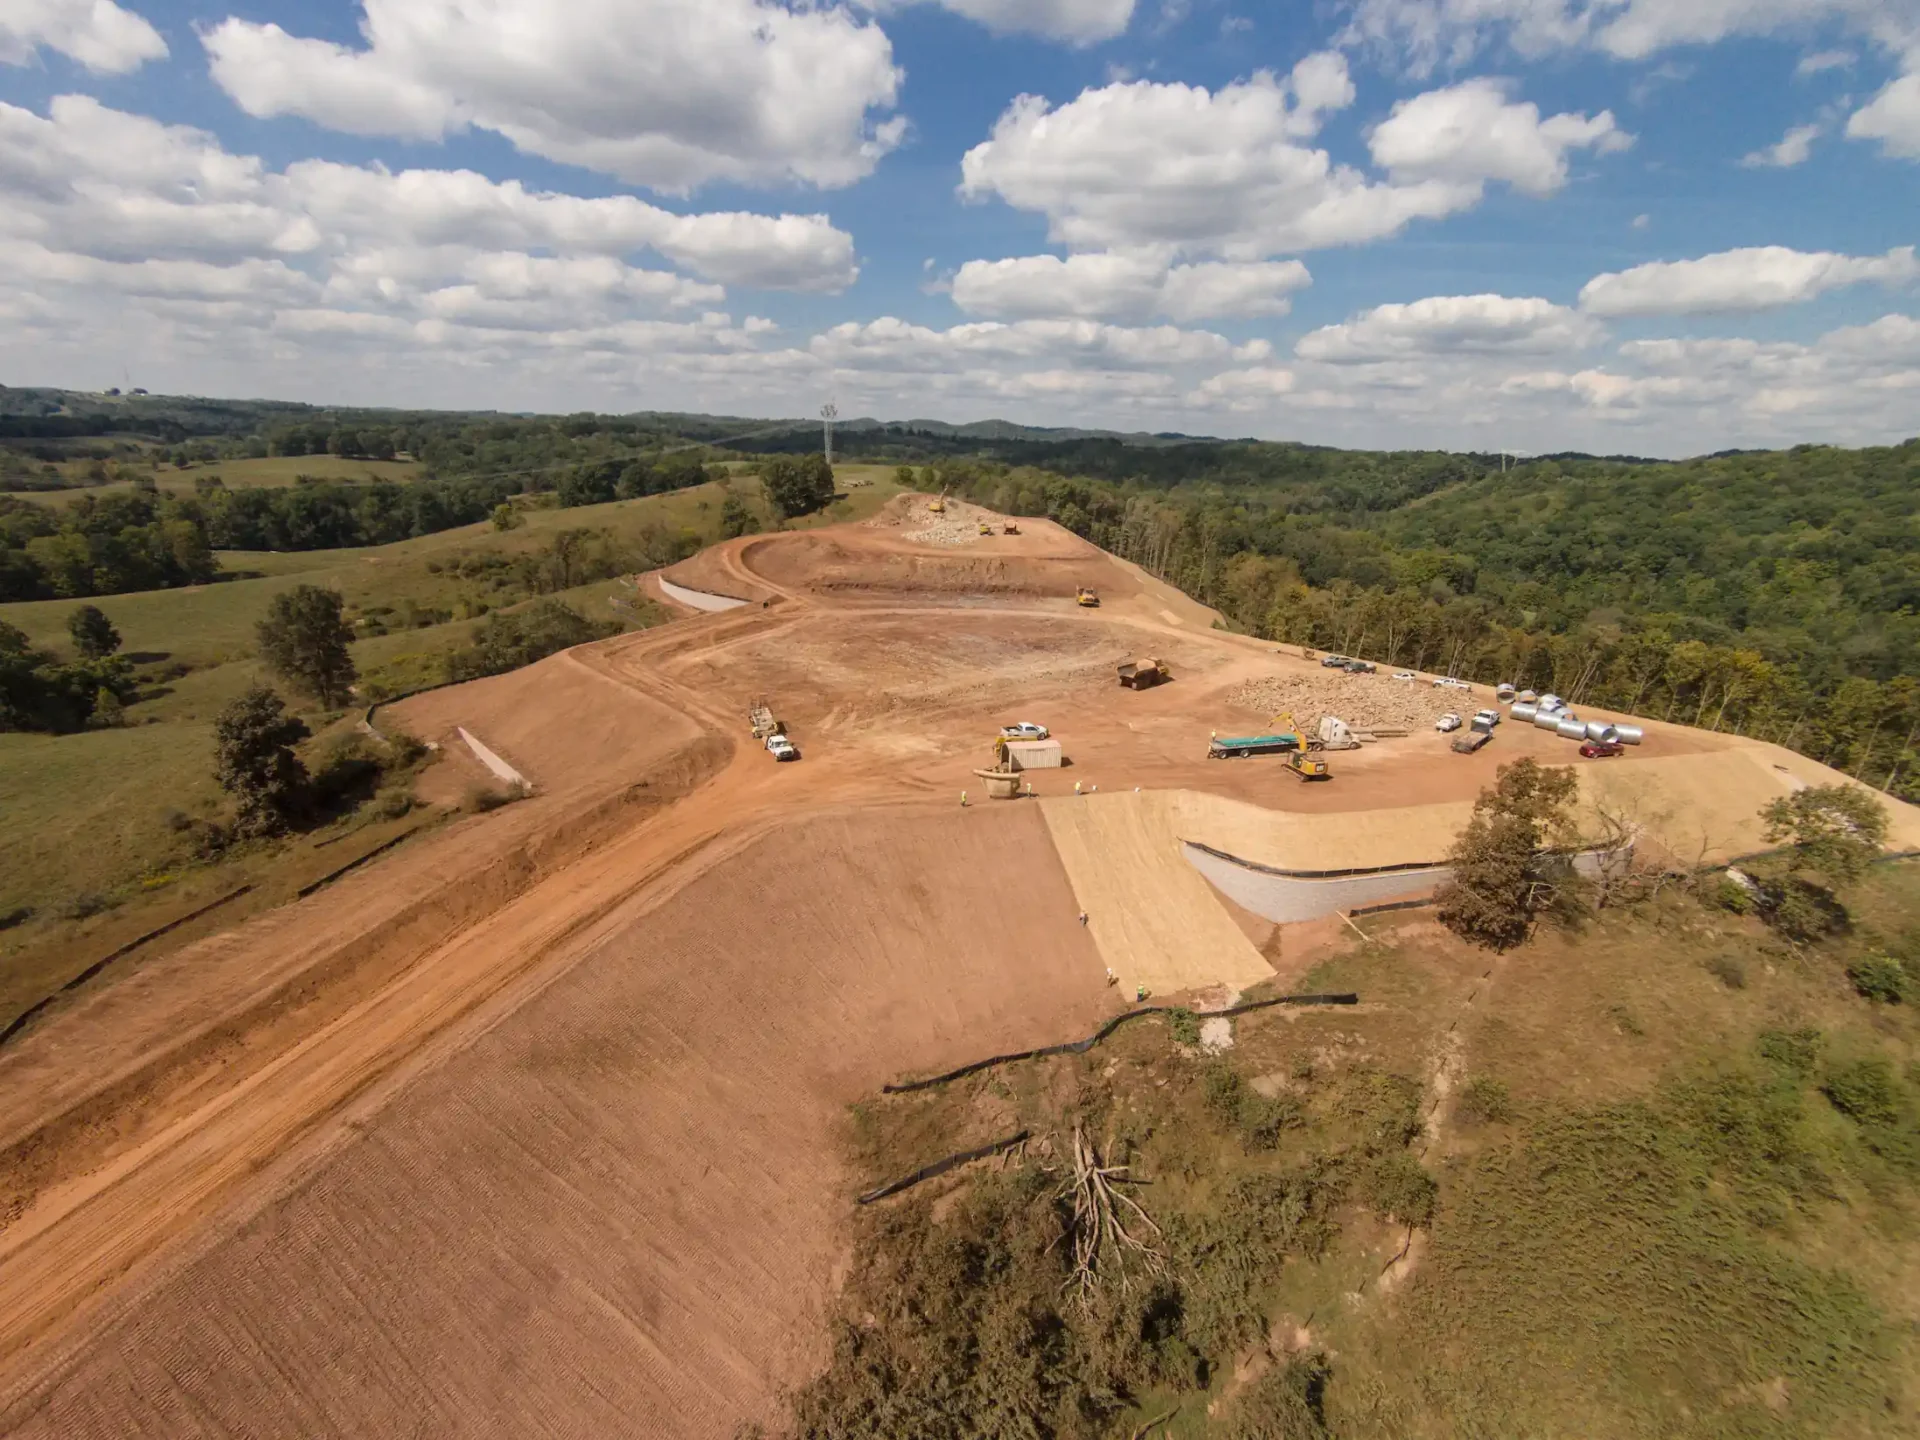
{"points": [[1365, 702]]}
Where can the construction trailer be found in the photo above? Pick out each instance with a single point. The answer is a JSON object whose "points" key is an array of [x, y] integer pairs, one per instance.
{"points": [[1144, 674], [1029, 754]]}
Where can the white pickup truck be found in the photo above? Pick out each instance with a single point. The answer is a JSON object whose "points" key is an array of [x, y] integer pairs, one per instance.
{"points": [[781, 748]]}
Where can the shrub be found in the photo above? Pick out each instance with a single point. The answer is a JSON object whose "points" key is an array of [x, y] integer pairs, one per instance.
{"points": [[1184, 1026], [1286, 1403], [1396, 1186], [85, 905], [393, 802], [1880, 978], [1728, 971], [1795, 1050], [480, 799], [1865, 1091], [1484, 1101], [1732, 896], [19, 915]]}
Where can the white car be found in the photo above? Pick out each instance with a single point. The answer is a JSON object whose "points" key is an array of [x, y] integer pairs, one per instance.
{"points": [[1488, 718], [1446, 722], [1025, 730], [1405, 675], [781, 748]]}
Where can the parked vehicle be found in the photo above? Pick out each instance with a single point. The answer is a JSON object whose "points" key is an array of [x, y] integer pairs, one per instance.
{"points": [[1449, 683], [1447, 722], [1602, 749], [1360, 667], [781, 748], [1485, 720], [1334, 662], [1405, 675], [1143, 674], [1468, 744], [1025, 730]]}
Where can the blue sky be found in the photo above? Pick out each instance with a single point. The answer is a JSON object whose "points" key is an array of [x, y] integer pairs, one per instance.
{"points": [[1658, 226]]}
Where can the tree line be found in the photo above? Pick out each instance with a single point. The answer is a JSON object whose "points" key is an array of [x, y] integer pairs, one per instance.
{"points": [[1771, 595]]}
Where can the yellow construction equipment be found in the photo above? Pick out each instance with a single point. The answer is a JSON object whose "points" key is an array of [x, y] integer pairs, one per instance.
{"points": [[985, 528], [1308, 768], [1086, 596], [938, 505]]}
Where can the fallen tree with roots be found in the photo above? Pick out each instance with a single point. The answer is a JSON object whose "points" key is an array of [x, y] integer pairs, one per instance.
{"points": [[1103, 1245]]}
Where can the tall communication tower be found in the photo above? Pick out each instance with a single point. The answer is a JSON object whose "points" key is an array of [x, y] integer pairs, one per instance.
{"points": [[828, 414]]}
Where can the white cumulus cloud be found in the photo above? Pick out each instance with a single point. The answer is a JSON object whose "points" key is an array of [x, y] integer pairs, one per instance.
{"points": [[1425, 34], [97, 34], [1757, 278], [1792, 149], [1108, 286], [1451, 325], [670, 94], [1232, 173], [1893, 116], [1077, 22], [1471, 133]]}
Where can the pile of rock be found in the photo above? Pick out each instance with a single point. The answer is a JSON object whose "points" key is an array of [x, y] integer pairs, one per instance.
{"points": [[1365, 702]]}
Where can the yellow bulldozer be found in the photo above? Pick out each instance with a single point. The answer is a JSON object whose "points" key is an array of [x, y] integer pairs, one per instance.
{"points": [[1087, 596]]}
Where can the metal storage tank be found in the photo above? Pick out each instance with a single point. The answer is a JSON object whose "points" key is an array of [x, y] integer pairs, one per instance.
{"points": [[1527, 697], [1523, 711], [1552, 702], [1546, 719], [1573, 728], [1602, 730], [1629, 734]]}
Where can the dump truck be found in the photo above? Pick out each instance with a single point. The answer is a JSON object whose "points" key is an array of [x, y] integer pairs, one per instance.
{"points": [[1011, 528], [1143, 674], [1086, 595], [1308, 768], [1234, 747]]}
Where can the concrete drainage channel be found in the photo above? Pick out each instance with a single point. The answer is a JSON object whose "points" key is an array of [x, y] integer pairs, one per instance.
{"points": [[1286, 898], [698, 599]]}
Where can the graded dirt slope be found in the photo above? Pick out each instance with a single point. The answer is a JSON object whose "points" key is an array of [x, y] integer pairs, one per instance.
{"points": [[1156, 921], [616, 1212]]}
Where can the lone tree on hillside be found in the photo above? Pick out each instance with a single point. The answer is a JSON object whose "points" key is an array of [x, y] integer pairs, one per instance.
{"points": [[254, 762], [1836, 831], [93, 633], [304, 641], [1502, 876], [798, 487]]}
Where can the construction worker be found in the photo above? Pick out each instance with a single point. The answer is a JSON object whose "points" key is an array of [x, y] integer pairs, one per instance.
{"points": [[963, 799], [1139, 994], [1083, 917], [1076, 787]]}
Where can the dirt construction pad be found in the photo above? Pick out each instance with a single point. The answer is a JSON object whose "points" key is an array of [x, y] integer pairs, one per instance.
{"points": [[531, 1127]]}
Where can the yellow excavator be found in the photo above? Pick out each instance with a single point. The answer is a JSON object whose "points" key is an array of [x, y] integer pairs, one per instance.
{"points": [[1306, 766], [938, 505]]}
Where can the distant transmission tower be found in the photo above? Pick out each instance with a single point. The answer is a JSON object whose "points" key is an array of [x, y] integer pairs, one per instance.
{"points": [[828, 414]]}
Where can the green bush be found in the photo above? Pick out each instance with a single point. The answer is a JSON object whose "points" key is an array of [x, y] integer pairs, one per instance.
{"points": [[1794, 1050], [1395, 1185], [1865, 1091], [1286, 1403], [1880, 978], [1184, 1026]]}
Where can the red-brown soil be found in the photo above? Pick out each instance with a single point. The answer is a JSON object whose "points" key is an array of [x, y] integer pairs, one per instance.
{"points": [[529, 1127]]}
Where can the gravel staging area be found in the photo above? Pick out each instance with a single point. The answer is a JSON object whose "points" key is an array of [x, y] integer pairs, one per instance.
{"points": [[1365, 702]]}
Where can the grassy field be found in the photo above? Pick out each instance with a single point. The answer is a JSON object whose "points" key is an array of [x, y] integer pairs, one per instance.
{"points": [[273, 473], [88, 813], [1647, 1195]]}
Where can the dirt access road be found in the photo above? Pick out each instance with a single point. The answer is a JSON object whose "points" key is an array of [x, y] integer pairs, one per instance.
{"points": [[530, 1129]]}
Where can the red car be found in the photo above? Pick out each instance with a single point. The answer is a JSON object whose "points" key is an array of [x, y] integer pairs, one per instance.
{"points": [[1601, 749]]}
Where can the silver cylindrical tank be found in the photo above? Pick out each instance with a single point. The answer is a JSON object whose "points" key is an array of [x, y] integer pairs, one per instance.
{"points": [[1602, 730], [1573, 728], [1522, 711], [1552, 702], [1527, 697], [1546, 719], [1629, 734]]}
